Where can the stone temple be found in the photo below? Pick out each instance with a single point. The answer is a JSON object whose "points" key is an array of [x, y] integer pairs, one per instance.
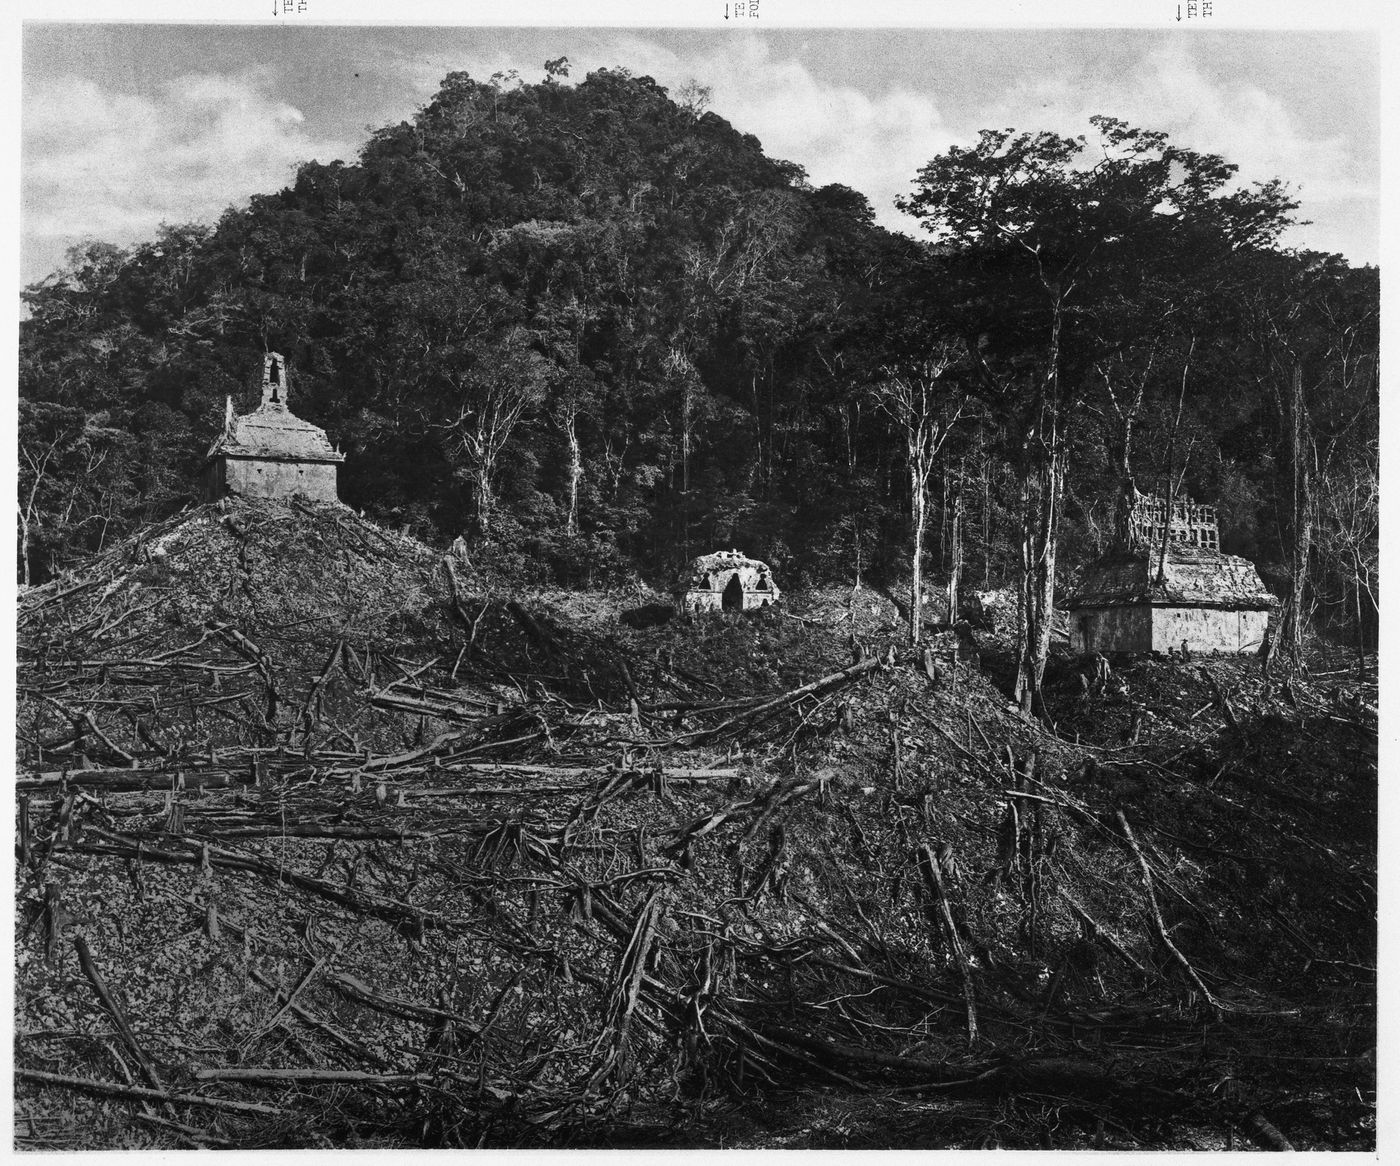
{"points": [[726, 581], [271, 452], [1168, 586]]}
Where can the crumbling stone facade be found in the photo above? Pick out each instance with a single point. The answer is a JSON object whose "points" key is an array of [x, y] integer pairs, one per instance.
{"points": [[726, 581], [1170, 587], [271, 452]]}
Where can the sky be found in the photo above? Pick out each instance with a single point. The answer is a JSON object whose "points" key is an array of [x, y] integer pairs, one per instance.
{"points": [[126, 126]]}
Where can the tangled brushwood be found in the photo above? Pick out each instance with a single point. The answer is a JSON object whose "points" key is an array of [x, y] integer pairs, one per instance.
{"points": [[327, 840]]}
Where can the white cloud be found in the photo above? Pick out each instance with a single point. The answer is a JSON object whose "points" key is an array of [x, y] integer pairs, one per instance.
{"points": [[873, 143], [1227, 116], [1335, 181], [114, 165]]}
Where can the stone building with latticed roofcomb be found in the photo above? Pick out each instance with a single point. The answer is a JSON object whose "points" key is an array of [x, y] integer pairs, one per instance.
{"points": [[1168, 586]]}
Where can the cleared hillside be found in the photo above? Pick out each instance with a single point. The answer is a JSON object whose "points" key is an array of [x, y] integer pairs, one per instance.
{"points": [[325, 841]]}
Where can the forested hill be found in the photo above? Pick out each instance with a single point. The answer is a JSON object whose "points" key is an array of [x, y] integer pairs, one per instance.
{"points": [[597, 328]]}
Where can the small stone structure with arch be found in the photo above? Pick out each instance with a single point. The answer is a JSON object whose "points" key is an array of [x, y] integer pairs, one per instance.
{"points": [[726, 581]]}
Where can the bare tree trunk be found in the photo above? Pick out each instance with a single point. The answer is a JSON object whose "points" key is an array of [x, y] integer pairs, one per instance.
{"points": [[1043, 477], [856, 529], [955, 547], [1295, 617], [685, 471], [1360, 626], [29, 510], [942, 517], [685, 441], [24, 546], [1123, 509], [485, 500], [575, 471], [1039, 543], [1126, 410], [986, 520], [1169, 494], [1025, 603], [918, 504], [848, 428]]}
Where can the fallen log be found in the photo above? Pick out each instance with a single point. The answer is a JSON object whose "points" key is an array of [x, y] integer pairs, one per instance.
{"points": [[669, 772], [1175, 952], [315, 1076], [695, 736], [114, 1010], [287, 1004], [198, 829], [1265, 1133], [938, 895], [457, 711], [701, 706], [357, 990], [311, 707], [1100, 931], [538, 634], [298, 1009], [202, 1139], [1059, 1076], [133, 780], [83, 723], [112, 1089], [22, 841], [852, 1055], [391, 911]]}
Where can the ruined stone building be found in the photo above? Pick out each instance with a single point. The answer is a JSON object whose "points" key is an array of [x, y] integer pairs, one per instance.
{"points": [[726, 581], [1168, 586], [271, 452]]}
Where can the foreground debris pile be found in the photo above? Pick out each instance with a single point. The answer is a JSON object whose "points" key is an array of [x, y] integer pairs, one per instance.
{"points": [[323, 844]]}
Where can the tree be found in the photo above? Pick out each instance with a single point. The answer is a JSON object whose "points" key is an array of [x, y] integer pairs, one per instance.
{"points": [[1348, 536], [1041, 241], [71, 481], [503, 380], [916, 396], [1313, 323]]}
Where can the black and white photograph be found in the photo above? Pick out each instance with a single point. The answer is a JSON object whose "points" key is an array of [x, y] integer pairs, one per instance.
{"points": [[700, 581]]}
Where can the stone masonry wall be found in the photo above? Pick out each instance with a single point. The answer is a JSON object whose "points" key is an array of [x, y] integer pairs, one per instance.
{"points": [[253, 478], [699, 600], [1111, 629], [1206, 629], [1159, 629]]}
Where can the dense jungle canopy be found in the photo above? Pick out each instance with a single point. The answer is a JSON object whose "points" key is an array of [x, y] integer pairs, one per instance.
{"points": [[596, 330]]}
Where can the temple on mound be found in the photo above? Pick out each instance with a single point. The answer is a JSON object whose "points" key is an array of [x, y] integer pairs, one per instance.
{"points": [[271, 452], [1167, 586]]}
